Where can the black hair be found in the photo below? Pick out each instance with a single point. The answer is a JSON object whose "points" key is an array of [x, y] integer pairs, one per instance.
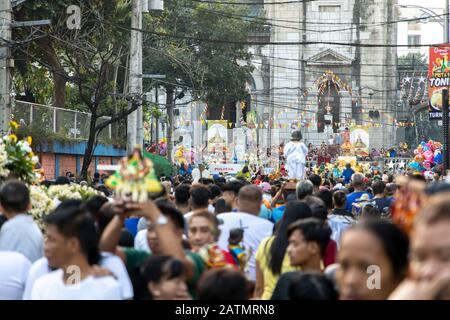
{"points": [[15, 197], [319, 211], [215, 191], [200, 196], [69, 204], [126, 239], [314, 230], [394, 241], [294, 211], [326, 197], [417, 177], [103, 189], [222, 207], [169, 210], [312, 286], [245, 169], [73, 221], [94, 203], [104, 217], [315, 179], [159, 267], [339, 199], [62, 180], [233, 186], [223, 284], [182, 193]]}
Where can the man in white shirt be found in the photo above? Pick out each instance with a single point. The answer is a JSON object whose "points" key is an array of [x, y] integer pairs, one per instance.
{"points": [[199, 199], [72, 247], [14, 268], [19, 233], [255, 228], [108, 261]]}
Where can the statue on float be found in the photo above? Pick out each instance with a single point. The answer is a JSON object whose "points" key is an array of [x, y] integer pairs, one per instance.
{"points": [[295, 153], [347, 147]]}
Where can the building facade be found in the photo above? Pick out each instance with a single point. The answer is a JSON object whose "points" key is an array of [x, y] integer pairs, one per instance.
{"points": [[318, 73]]}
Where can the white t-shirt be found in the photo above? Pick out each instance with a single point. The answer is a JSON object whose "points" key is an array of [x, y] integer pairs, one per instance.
{"points": [[338, 224], [14, 268], [189, 214], [109, 261], [255, 230], [21, 234], [52, 287], [140, 241]]}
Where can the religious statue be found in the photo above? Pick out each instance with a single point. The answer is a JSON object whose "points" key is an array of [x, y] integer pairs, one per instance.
{"points": [[361, 148], [347, 147], [295, 153]]}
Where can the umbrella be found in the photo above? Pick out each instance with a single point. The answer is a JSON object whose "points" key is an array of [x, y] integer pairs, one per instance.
{"points": [[161, 165]]}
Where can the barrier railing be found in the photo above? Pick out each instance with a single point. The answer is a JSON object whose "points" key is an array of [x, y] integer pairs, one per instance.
{"points": [[70, 123]]}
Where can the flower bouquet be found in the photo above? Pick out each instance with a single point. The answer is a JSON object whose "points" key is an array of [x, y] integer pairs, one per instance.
{"points": [[17, 158], [135, 180], [41, 204], [73, 191]]}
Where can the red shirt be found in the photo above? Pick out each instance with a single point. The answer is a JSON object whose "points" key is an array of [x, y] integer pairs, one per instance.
{"points": [[330, 253]]}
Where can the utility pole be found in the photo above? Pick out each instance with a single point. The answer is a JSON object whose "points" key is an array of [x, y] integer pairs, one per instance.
{"points": [[134, 120], [5, 64]]}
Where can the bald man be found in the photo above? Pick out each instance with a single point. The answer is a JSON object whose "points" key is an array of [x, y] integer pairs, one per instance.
{"points": [[255, 228]]}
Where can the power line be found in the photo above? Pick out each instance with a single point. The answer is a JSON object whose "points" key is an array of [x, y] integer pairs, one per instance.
{"points": [[362, 25], [287, 43], [253, 3]]}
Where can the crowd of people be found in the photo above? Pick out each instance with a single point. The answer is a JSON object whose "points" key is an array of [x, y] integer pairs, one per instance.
{"points": [[250, 237]]}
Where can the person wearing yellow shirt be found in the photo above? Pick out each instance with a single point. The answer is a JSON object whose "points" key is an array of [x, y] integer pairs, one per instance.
{"points": [[271, 257]]}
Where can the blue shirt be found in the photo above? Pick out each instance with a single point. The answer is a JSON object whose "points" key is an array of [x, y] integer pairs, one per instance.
{"points": [[277, 214], [265, 213], [352, 197], [131, 224], [383, 203], [347, 174]]}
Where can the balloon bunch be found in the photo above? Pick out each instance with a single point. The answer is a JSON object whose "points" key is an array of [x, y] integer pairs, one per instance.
{"points": [[426, 156]]}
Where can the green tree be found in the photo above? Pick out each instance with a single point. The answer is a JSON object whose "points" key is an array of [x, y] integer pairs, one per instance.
{"points": [[89, 59], [211, 71]]}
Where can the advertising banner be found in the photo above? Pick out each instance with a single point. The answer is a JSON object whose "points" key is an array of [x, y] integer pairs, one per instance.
{"points": [[438, 78]]}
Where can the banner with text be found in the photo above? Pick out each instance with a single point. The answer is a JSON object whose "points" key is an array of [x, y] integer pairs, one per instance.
{"points": [[230, 168], [438, 79]]}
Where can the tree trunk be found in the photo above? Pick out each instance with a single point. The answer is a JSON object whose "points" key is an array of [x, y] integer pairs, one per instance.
{"points": [[88, 153], [57, 70], [169, 106]]}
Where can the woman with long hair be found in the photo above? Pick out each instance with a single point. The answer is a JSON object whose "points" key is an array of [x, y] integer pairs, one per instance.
{"points": [[271, 257]]}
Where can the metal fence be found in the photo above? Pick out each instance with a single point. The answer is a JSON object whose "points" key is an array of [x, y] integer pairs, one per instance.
{"points": [[69, 123]]}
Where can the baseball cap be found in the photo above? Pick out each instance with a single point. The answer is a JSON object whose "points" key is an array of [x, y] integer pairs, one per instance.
{"points": [[265, 186]]}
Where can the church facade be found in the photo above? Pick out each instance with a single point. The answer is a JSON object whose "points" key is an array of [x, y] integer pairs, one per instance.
{"points": [[330, 64]]}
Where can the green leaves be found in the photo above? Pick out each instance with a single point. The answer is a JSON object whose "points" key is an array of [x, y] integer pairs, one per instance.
{"points": [[205, 68]]}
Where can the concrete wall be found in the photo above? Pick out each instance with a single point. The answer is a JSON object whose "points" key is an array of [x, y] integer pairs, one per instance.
{"points": [[58, 159]]}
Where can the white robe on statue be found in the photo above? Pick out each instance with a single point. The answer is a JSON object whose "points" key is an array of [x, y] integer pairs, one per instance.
{"points": [[295, 153]]}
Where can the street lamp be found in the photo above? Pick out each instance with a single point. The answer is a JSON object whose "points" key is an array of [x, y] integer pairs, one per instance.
{"points": [[427, 12]]}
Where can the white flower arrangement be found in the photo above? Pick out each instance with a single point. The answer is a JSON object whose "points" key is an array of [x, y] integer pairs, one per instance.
{"points": [[73, 191], [41, 204], [4, 172]]}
